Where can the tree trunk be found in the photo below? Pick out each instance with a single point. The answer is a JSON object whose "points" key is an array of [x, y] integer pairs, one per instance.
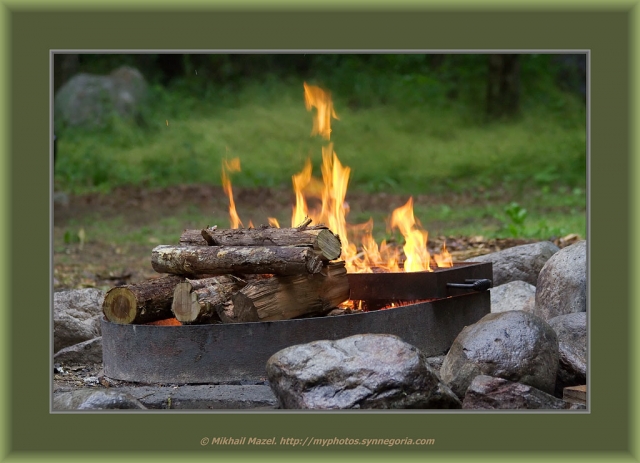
{"points": [[197, 301], [286, 297], [141, 303], [320, 238], [503, 89], [215, 260]]}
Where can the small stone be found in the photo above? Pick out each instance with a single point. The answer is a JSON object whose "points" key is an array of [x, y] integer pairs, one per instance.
{"points": [[518, 263], [514, 345], [95, 399], [572, 339], [489, 393], [515, 295], [82, 353], [562, 285]]}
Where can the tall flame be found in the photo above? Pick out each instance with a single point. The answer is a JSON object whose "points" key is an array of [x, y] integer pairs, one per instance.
{"points": [[228, 166], [300, 181], [321, 100], [329, 207], [336, 179]]}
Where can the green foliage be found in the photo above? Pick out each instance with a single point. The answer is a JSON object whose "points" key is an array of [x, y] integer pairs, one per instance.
{"points": [[517, 216], [409, 124], [390, 148]]}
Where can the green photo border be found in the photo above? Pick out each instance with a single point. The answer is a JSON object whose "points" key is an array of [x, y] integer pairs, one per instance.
{"points": [[31, 28]]}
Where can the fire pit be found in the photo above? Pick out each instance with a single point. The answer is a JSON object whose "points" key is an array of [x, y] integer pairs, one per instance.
{"points": [[433, 307], [232, 326]]}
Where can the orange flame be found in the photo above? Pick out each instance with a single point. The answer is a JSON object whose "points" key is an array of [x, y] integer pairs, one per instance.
{"points": [[444, 259], [300, 181], [415, 248], [232, 165], [273, 222], [336, 179], [321, 100], [324, 203]]}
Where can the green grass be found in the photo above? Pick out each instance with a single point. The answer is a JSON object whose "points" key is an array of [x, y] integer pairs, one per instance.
{"points": [[537, 160]]}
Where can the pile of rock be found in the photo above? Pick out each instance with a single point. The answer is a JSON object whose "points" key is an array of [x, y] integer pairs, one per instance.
{"points": [[521, 356]]}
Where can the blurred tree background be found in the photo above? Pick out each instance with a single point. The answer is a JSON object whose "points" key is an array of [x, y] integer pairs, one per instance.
{"points": [[506, 131], [500, 83]]}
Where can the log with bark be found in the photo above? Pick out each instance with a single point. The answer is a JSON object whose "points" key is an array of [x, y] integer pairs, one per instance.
{"points": [[319, 237], [142, 302], [198, 301], [216, 260], [286, 297]]}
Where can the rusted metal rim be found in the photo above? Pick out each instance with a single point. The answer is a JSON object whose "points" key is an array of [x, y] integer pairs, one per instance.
{"points": [[412, 286], [233, 352]]}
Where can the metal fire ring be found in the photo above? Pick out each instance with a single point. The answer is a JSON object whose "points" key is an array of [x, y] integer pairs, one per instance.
{"points": [[233, 352]]}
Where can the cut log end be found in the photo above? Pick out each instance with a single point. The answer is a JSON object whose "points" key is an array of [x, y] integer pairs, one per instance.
{"points": [[185, 306], [143, 302], [120, 306], [329, 244]]}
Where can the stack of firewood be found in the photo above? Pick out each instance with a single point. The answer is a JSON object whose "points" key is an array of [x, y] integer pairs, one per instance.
{"points": [[237, 275]]}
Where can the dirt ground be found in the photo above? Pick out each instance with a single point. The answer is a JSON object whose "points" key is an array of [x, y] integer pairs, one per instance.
{"points": [[103, 264]]}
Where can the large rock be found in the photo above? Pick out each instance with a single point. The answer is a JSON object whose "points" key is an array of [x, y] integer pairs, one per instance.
{"points": [[361, 371], [515, 345], [562, 284], [515, 295], [572, 339], [76, 316], [89, 100], [95, 399], [518, 263], [83, 353], [489, 393]]}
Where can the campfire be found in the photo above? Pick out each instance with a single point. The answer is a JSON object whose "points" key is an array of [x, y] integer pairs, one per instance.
{"points": [[271, 273], [360, 252], [320, 278]]}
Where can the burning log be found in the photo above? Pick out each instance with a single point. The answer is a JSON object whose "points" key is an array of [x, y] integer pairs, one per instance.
{"points": [[197, 301], [141, 303], [319, 237], [215, 260], [286, 297]]}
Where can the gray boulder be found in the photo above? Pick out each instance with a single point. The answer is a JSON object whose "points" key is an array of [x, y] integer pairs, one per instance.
{"points": [[514, 345], [89, 100], [518, 263], [562, 284], [572, 339], [95, 399], [515, 295], [76, 316], [361, 371], [489, 393], [83, 353]]}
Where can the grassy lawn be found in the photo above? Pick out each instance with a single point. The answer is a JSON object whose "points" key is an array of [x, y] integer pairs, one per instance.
{"points": [[521, 178]]}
